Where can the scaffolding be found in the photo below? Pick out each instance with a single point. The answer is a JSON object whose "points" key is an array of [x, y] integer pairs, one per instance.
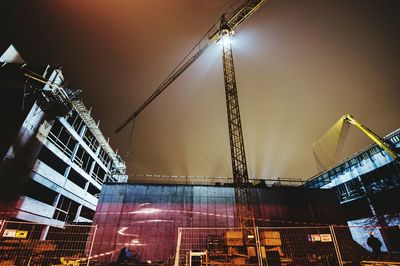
{"points": [[118, 164]]}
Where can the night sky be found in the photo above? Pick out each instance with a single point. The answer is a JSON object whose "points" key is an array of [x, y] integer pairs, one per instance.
{"points": [[300, 65]]}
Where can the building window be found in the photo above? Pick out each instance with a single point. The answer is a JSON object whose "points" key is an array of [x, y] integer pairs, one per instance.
{"points": [[98, 174], [353, 161], [104, 158], [93, 190], [87, 213], [83, 159], [76, 122], [365, 155], [349, 190], [90, 140], [395, 139], [49, 158], [374, 150], [76, 178], [62, 139], [39, 192], [66, 210]]}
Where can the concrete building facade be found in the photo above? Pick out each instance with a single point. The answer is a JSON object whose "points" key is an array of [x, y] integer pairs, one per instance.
{"points": [[54, 157]]}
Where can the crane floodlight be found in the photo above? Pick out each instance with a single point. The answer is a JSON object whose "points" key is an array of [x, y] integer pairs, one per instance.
{"points": [[225, 38]]}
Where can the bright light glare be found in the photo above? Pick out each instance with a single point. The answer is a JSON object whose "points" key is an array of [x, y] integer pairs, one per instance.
{"points": [[153, 221], [226, 39], [122, 232], [146, 211]]}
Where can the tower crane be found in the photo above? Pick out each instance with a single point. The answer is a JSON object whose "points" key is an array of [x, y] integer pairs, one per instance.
{"points": [[221, 33]]}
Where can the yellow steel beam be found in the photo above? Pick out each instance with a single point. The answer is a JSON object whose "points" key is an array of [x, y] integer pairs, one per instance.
{"points": [[378, 140]]}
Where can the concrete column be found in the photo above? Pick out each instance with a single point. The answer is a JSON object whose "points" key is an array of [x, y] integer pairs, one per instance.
{"points": [[78, 212], [98, 149], [74, 152], [66, 173], [55, 203], [86, 186], [92, 166], [44, 232], [83, 130]]}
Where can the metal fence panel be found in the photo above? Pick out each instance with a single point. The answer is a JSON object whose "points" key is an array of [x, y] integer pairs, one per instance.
{"points": [[354, 249], [297, 246], [24, 243], [213, 246], [294, 246]]}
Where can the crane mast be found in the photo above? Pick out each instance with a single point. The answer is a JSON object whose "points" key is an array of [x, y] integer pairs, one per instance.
{"points": [[244, 210]]}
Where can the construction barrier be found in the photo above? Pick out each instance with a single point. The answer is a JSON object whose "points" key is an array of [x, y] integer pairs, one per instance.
{"points": [[284, 246], [297, 246], [353, 247], [214, 246], [23, 243]]}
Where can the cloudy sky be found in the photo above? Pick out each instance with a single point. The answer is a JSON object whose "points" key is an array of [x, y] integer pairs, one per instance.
{"points": [[300, 65]]}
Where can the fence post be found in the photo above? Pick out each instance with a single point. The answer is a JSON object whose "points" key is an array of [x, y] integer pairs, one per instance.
{"points": [[2, 222], [258, 247], [178, 246], [91, 245], [336, 245]]}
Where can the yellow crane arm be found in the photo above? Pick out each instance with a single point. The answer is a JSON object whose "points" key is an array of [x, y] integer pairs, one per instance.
{"points": [[378, 140]]}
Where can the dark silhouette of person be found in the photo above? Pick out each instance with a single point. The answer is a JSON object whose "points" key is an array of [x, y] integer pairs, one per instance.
{"points": [[127, 255], [375, 244]]}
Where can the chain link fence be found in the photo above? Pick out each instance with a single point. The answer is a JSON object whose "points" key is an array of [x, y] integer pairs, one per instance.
{"points": [[214, 246], [284, 246], [24, 243], [297, 246], [368, 245]]}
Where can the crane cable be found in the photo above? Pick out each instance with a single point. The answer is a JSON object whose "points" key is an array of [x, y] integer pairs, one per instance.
{"points": [[130, 139], [201, 45], [175, 73]]}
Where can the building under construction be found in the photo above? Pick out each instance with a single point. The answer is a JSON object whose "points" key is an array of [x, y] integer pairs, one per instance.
{"points": [[54, 157]]}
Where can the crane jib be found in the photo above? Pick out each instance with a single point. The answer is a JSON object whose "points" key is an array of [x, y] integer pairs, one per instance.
{"points": [[239, 16]]}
